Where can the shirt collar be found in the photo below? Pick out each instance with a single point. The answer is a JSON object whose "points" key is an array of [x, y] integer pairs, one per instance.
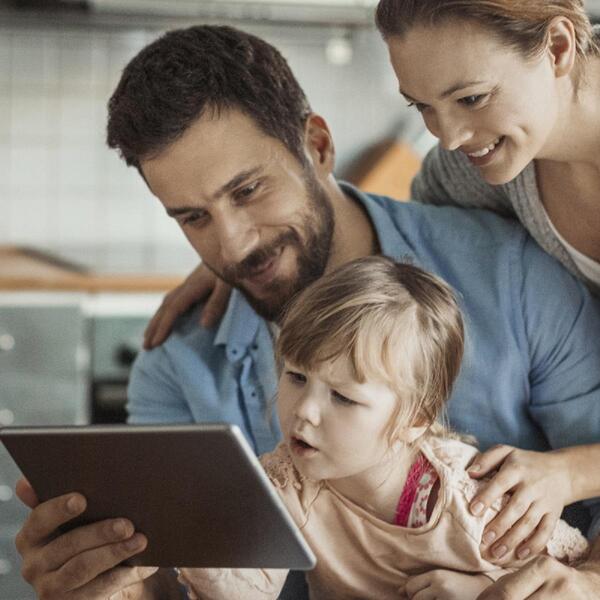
{"points": [[391, 241]]}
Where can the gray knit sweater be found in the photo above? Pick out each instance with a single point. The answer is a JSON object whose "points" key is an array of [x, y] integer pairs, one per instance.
{"points": [[448, 177]]}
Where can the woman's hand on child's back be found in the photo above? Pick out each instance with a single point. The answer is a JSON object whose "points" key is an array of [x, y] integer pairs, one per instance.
{"points": [[539, 486], [441, 584]]}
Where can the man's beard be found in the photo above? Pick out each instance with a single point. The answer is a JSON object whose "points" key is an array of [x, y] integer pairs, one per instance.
{"points": [[312, 255]]}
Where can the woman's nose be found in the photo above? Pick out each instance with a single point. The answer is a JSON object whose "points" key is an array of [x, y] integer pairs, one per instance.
{"points": [[451, 131]]}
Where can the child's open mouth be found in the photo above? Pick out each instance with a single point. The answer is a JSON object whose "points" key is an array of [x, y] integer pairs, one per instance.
{"points": [[301, 447]]}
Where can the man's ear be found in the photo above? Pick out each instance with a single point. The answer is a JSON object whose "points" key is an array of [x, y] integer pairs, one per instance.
{"points": [[562, 45], [319, 144]]}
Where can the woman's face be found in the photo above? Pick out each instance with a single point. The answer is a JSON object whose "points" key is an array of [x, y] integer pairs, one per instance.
{"points": [[478, 96]]}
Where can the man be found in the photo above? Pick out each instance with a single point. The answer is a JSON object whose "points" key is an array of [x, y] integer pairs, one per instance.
{"points": [[222, 134]]}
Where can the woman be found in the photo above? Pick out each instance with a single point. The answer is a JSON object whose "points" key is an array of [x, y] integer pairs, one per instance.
{"points": [[510, 89]]}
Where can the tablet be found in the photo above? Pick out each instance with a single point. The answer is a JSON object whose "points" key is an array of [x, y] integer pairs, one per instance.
{"points": [[197, 492]]}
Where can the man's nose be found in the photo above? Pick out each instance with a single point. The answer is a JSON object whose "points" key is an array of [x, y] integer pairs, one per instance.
{"points": [[451, 130], [237, 239]]}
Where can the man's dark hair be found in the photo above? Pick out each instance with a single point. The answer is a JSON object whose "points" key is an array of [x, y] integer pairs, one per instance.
{"points": [[183, 74]]}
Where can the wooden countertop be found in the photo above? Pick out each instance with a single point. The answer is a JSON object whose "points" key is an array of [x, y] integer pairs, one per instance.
{"points": [[22, 270]]}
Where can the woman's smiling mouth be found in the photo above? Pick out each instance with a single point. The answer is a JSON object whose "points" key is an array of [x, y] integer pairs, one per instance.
{"points": [[484, 155]]}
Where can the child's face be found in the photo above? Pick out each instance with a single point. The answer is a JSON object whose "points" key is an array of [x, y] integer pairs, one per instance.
{"points": [[335, 427]]}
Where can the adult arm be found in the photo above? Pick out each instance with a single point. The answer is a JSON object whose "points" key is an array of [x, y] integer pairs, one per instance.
{"points": [[562, 330], [201, 283], [545, 577]]}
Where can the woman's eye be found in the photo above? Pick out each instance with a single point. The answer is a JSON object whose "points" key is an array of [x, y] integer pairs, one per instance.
{"points": [[472, 100], [295, 377], [342, 399]]}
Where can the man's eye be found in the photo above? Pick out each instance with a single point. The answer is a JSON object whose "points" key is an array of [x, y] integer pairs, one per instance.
{"points": [[246, 192], [473, 100], [418, 105], [340, 399], [295, 377], [193, 218]]}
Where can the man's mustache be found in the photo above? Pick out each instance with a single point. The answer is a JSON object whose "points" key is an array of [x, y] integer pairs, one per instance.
{"points": [[252, 263]]}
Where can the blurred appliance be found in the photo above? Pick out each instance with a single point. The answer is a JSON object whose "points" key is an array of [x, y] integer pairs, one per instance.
{"points": [[115, 321]]}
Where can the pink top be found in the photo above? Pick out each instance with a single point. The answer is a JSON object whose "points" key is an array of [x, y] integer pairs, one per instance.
{"points": [[362, 556], [412, 506]]}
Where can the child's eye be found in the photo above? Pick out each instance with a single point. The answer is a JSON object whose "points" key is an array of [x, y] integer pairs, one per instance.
{"points": [[295, 377], [342, 399], [473, 100]]}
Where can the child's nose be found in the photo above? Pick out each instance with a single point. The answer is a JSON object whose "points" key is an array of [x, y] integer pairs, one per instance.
{"points": [[307, 409]]}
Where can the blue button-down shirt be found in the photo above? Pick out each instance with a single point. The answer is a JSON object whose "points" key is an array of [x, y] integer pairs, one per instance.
{"points": [[531, 372]]}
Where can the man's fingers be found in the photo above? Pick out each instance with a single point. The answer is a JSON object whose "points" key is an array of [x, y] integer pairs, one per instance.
{"points": [[519, 585], [115, 580], [489, 460], [46, 517], [26, 493], [538, 541], [62, 549], [78, 573], [417, 583]]}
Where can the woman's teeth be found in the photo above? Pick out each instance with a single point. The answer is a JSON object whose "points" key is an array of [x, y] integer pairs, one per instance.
{"points": [[485, 150]]}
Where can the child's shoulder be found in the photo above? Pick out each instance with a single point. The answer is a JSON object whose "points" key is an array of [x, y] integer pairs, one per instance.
{"points": [[450, 453]]}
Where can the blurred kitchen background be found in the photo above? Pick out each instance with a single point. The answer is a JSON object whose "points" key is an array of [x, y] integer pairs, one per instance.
{"points": [[86, 253]]}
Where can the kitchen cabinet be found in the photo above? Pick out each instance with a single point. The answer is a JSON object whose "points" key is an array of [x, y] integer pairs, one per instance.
{"points": [[43, 381]]}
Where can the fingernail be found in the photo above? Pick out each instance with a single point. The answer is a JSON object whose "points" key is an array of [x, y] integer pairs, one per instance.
{"points": [[524, 553], [74, 505], [477, 508], [499, 551], [475, 468], [145, 572], [134, 543], [489, 537], [120, 528]]}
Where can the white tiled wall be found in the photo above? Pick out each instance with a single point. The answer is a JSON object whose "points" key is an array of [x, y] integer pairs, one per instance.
{"points": [[59, 184]]}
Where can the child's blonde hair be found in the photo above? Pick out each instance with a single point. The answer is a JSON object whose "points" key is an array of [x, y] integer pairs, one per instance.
{"points": [[394, 322]]}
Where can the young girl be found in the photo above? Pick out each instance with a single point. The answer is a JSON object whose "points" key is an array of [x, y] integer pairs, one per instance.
{"points": [[368, 355]]}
